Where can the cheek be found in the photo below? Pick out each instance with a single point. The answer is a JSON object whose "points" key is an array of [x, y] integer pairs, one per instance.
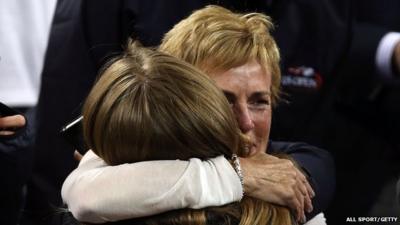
{"points": [[263, 125]]}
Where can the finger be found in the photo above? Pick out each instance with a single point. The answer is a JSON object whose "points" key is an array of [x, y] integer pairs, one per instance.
{"points": [[303, 178], [300, 199], [301, 184], [308, 204], [297, 203], [297, 206], [6, 133], [311, 192], [294, 205], [77, 156], [307, 200], [15, 121], [306, 197], [305, 187]]}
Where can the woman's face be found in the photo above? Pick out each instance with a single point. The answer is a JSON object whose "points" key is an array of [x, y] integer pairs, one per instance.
{"points": [[248, 90]]}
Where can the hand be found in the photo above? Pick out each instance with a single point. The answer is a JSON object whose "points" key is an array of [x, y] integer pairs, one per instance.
{"points": [[9, 124], [278, 181], [396, 59]]}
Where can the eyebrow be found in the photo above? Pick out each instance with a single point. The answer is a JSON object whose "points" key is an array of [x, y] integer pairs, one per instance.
{"points": [[231, 95], [260, 94], [228, 94]]}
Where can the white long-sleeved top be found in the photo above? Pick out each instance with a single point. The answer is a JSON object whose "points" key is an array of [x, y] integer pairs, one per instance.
{"points": [[142, 189], [148, 188]]}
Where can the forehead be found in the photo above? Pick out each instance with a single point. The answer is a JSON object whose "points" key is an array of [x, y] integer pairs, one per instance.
{"points": [[249, 77]]}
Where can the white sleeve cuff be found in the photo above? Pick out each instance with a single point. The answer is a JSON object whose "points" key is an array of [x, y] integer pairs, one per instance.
{"points": [[319, 219], [383, 57], [219, 183]]}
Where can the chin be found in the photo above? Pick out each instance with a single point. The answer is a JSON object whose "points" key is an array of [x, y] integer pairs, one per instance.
{"points": [[254, 151]]}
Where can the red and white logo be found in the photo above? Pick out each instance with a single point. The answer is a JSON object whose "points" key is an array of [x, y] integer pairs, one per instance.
{"points": [[302, 77]]}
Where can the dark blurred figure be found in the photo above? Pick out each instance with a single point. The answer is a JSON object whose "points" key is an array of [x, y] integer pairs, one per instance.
{"points": [[350, 109], [15, 164], [24, 29], [58, 100], [373, 67], [368, 102]]}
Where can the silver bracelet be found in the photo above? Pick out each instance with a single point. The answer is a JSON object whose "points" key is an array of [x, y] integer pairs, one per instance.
{"points": [[238, 169]]}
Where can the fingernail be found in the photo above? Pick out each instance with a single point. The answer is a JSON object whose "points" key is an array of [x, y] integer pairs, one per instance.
{"points": [[303, 220], [310, 209]]}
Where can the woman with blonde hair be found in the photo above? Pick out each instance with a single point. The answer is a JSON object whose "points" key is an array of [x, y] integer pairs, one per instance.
{"points": [[147, 105], [238, 52]]}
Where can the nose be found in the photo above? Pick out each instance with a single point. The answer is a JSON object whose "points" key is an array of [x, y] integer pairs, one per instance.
{"points": [[244, 119]]}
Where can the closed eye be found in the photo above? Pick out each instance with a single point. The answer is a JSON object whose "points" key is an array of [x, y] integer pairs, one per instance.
{"points": [[260, 100], [230, 97]]}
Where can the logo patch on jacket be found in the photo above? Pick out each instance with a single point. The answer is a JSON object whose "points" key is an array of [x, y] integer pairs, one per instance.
{"points": [[302, 77]]}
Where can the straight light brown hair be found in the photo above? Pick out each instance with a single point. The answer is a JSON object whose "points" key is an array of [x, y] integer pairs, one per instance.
{"points": [[150, 106]]}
